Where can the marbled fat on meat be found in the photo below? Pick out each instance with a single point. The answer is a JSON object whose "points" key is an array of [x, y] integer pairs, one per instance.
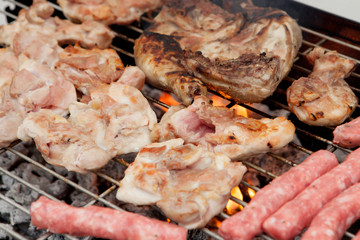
{"points": [[100, 222], [296, 214], [247, 224]]}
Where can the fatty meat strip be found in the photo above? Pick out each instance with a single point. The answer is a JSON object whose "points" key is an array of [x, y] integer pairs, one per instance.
{"points": [[100, 222], [348, 134], [323, 98], [189, 184], [247, 224], [121, 12], [336, 216], [295, 215], [38, 19], [219, 129]]}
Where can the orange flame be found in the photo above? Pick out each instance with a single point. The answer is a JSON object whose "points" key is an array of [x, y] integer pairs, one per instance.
{"points": [[233, 207], [167, 99], [217, 101], [251, 192]]}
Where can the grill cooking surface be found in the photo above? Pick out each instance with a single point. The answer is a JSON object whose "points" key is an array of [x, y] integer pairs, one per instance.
{"points": [[309, 139]]}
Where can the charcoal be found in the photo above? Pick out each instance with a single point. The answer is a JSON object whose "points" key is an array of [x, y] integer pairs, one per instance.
{"points": [[17, 216], [3, 234], [88, 181], [5, 210], [58, 189], [197, 234], [9, 159], [22, 194]]}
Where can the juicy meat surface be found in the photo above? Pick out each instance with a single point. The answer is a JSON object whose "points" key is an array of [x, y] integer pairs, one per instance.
{"points": [[220, 129], [11, 113], [336, 216], [158, 56], [108, 12], [323, 98], [117, 120], [100, 222], [89, 68], [179, 179], [247, 224], [243, 55], [62, 144], [295, 215], [38, 19], [348, 134]]}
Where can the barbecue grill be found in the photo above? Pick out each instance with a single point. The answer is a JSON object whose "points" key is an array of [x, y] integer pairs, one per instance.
{"points": [[329, 31]]}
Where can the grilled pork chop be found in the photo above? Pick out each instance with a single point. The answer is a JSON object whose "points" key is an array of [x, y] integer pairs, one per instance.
{"points": [[179, 179], [221, 130], [243, 55], [38, 19], [108, 12], [323, 98]]}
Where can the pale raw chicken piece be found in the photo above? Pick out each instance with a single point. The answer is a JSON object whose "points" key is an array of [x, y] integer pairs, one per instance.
{"points": [[242, 55], [11, 114], [117, 120], [323, 98], [36, 46], [108, 12], [133, 76], [188, 183], [36, 86], [62, 144], [128, 115], [38, 19], [88, 68], [221, 130]]}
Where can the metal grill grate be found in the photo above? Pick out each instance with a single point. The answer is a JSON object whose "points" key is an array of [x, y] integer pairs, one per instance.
{"points": [[310, 138]]}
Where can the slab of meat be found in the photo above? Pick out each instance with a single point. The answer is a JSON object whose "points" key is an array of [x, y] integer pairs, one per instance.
{"points": [[158, 56], [336, 216], [108, 12], [348, 134], [323, 98], [248, 223], [180, 180], [11, 113], [296, 214], [88, 68], [117, 120], [100, 222], [220, 129], [38, 19], [242, 55]]}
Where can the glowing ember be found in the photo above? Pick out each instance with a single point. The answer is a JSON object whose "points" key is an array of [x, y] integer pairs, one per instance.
{"points": [[219, 101], [167, 99], [233, 207], [251, 193]]}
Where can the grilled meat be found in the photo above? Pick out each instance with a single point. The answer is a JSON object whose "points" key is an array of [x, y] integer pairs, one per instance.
{"points": [[348, 134], [158, 56], [87, 69], [323, 98], [242, 55], [220, 129], [38, 19], [117, 120], [180, 180], [108, 12]]}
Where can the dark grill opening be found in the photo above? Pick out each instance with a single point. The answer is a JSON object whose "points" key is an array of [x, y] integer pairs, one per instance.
{"points": [[21, 164]]}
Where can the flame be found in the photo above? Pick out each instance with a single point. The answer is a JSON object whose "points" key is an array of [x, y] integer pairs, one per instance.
{"points": [[167, 99], [251, 192], [219, 101], [233, 207], [214, 222]]}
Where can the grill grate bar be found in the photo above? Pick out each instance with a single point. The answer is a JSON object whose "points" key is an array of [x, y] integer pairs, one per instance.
{"points": [[324, 39], [12, 232]]}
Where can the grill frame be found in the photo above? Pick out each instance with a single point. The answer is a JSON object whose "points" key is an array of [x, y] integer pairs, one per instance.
{"points": [[312, 38]]}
